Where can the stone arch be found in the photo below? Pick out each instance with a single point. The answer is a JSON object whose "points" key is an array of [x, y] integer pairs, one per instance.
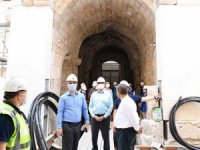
{"points": [[74, 21]]}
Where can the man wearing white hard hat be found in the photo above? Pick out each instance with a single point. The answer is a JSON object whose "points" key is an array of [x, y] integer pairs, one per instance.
{"points": [[12, 120], [71, 107], [100, 107]]}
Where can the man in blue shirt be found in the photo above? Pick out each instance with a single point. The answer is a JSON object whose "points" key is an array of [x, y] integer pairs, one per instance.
{"points": [[100, 107], [71, 107]]}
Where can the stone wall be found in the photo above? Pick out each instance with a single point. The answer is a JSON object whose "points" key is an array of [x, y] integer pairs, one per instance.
{"points": [[75, 20]]}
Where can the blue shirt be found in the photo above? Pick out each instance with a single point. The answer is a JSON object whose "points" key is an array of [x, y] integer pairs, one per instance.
{"points": [[114, 92], [143, 106], [6, 128], [101, 102], [136, 98], [71, 108]]}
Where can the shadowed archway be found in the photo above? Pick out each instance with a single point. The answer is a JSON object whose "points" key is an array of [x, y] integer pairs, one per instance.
{"points": [[128, 25]]}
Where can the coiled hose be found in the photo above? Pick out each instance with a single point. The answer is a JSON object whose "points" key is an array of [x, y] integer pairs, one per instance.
{"points": [[172, 120], [37, 138]]}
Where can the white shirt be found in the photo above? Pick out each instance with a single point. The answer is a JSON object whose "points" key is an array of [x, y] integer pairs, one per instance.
{"points": [[126, 115]]}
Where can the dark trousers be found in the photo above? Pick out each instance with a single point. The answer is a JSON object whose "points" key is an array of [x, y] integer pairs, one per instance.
{"points": [[104, 127], [125, 138], [115, 140], [71, 136]]}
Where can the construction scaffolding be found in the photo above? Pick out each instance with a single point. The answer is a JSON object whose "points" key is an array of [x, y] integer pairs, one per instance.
{"points": [[4, 31], [5, 11]]}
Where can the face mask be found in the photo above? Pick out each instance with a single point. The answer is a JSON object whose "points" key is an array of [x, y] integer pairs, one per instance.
{"points": [[101, 86], [72, 87], [107, 85]]}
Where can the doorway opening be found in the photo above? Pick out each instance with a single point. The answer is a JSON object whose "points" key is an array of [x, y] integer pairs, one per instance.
{"points": [[111, 71]]}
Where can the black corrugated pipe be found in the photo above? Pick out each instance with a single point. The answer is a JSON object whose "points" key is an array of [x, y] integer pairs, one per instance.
{"points": [[34, 118], [172, 121]]}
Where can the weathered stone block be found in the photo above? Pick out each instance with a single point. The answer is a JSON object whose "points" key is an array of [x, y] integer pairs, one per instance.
{"points": [[188, 130], [151, 132]]}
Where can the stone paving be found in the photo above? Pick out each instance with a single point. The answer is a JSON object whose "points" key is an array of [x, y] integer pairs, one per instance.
{"points": [[85, 142]]}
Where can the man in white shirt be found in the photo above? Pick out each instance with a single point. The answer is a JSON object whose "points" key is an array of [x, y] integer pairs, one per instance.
{"points": [[126, 120]]}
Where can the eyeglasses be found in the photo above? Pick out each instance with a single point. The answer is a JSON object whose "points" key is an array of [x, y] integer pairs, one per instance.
{"points": [[100, 82], [72, 82]]}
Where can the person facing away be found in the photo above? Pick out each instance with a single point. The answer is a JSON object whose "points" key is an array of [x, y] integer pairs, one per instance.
{"points": [[137, 99], [100, 107], [126, 120], [14, 131], [71, 107]]}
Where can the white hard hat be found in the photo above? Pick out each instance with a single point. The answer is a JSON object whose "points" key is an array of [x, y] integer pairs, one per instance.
{"points": [[100, 79], [15, 84], [94, 83], [124, 82], [72, 77]]}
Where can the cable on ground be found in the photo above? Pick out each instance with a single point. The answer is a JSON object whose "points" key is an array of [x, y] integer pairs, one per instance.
{"points": [[37, 138], [172, 121]]}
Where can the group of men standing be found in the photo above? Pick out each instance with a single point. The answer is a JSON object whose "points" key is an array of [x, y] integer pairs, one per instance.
{"points": [[72, 106], [72, 110]]}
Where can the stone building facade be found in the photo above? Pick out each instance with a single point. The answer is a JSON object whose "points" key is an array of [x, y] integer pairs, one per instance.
{"points": [[151, 40], [87, 33]]}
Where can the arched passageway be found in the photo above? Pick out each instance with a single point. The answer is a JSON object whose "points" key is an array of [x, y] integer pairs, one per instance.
{"points": [[102, 47], [91, 69], [88, 33]]}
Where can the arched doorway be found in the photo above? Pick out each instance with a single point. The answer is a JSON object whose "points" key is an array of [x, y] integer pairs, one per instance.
{"points": [[95, 25], [108, 45]]}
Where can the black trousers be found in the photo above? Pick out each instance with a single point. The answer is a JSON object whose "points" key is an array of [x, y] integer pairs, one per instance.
{"points": [[71, 136], [115, 140], [104, 127], [125, 138]]}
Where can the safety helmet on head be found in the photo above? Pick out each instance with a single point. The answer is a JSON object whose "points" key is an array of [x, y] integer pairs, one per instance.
{"points": [[94, 83], [100, 79], [124, 82], [15, 84], [72, 77]]}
